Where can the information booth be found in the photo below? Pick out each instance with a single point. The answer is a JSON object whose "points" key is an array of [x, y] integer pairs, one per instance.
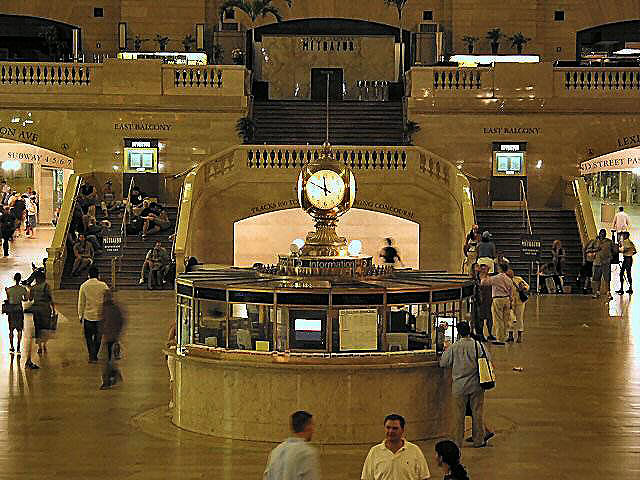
{"points": [[275, 344]]}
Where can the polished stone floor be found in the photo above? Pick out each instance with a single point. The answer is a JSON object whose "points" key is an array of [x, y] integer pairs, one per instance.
{"points": [[574, 412]]}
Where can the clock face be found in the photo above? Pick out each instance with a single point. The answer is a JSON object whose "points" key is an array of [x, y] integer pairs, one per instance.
{"points": [[325, 189]]}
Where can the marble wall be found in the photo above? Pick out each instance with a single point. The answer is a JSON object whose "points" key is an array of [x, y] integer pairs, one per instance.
{"points": [[254, 401], [286, 61]]}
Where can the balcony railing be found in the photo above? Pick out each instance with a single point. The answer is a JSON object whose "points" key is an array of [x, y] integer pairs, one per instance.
{"points": [[122, 77]]}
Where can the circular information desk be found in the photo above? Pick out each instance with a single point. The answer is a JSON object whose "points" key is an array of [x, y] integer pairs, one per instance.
{"points": [[253, 348]]}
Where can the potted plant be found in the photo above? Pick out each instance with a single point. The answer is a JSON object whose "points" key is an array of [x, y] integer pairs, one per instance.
{"points": [[237, 55], [138, 41], [518, 40], [410, 128], [217, 52], [187, 42], [494, 35], [246, 129], [162, 42], [470, 42], [399, 6]]}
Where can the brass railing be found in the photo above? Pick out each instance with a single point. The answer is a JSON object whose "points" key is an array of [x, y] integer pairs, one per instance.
{"points": [[526, 219], [57, 252], [116, 260]]}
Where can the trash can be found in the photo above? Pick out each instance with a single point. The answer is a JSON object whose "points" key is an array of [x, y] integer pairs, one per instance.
{"points": [[607, 212]]}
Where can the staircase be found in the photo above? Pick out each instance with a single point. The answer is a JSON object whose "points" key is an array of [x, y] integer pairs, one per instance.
{"points": [[298, 122], [506, 228], [133, 254]]}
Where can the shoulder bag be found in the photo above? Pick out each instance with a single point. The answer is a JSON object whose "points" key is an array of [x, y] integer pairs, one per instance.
{"points": [[522, 294], [485, 369]]}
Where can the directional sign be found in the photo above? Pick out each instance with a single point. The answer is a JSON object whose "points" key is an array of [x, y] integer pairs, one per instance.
{"points": [[530, 247]]}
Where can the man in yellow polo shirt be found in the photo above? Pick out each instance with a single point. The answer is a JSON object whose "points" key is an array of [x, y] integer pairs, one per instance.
{"points": [[395, 458]]}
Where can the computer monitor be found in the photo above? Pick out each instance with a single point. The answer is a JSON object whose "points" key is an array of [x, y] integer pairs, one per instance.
{"points": [[397, 342], [307, 329]]}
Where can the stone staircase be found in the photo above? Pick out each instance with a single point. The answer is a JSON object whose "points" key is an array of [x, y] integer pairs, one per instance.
{"points": [[134, 251], [299, 122], [506, 228]]}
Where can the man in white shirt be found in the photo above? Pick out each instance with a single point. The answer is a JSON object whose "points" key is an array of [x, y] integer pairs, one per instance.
{"points": [[621, 222], [395, 458], [295, 459], [90, 301]]}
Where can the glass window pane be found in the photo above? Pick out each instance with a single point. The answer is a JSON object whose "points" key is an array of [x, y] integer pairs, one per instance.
{"points": [[211, 326], [250, 327]]}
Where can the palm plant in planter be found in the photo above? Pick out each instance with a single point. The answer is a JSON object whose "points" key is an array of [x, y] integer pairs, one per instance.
{"points": [[187, 42], [518, 40], [399, 6], [246, 129], [253, 9], [494, 35], [470, 42], [162, 42]]}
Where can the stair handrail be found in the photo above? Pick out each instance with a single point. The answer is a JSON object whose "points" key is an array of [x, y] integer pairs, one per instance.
{"points": [[117, 259], [526, 218], [57, 252], [175, 229], [584, 212]]}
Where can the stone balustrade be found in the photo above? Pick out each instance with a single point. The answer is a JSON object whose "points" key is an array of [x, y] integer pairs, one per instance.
{"points": [[124, 77], [597, 82], [530, 81]]}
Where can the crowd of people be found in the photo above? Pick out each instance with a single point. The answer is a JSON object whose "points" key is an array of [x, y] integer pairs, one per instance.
{"points": [[500, 295], [142, 216], [18, 210], [395, 458]]}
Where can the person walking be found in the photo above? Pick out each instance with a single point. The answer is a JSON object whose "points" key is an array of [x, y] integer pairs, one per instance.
{"points": [[448, 456], [15, 295], [112, 324], [628, 250], [621, 223], [462, 358], [90, 310], [487, 251], [7, 228], [501, 298], [395, 458], [43, 310], [558, 253], [482, 305], [471, 249], [390, 254], [294, 458], [602, 247], [519, 300]]}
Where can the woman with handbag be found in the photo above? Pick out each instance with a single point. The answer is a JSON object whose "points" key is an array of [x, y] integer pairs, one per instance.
{"points": [[44, 313], [13, 308], [520, 297]]}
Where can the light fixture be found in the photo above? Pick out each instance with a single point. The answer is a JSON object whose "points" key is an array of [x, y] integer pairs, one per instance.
{"points": [[354, 248], [298, 242], [628, 51], [12, 165], [539, 164], [489, 59], [15, 120], [116, 167], [161, 146]]}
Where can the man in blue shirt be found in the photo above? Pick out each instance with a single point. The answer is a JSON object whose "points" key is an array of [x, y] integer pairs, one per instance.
{"points": [[295, 459], [462, 358]]}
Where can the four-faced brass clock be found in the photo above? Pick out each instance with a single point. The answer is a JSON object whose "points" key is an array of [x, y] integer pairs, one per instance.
{"points": [[326, 190]]}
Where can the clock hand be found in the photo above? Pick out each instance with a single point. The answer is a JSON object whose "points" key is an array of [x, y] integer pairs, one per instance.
{"points": [[324, 179], [323, 188]]}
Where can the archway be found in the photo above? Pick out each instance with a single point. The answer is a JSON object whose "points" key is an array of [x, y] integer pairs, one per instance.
{"points": [[26, 38], [261, 237], [608, 38], [24, 165]]}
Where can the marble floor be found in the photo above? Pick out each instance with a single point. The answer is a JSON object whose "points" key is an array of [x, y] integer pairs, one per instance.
{"points": [[574, 412]]}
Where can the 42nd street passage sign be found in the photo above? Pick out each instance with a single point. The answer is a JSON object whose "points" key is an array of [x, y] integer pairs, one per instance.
{"points": [[530, 247]]}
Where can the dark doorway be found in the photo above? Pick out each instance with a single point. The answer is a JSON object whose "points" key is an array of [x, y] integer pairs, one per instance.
{"points": [[319, 84], [149, 183]]}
